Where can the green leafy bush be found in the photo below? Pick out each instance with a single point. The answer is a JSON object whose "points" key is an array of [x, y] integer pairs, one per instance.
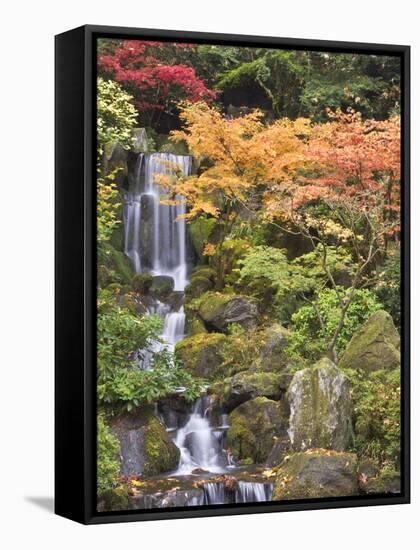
{"points": [[377, 409], [265, 266], [309, 337], [269, 276], [107, 457], [121, 383], [128, 388]]}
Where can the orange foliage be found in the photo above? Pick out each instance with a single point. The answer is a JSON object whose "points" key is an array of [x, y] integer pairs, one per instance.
{"points": [[242, 153], [289, 162]]}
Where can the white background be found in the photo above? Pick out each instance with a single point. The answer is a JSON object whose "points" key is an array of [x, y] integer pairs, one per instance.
{"points": [[26, 298]]}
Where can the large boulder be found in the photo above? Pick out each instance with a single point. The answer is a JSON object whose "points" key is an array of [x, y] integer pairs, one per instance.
{"points": [[278, 451], [243, 386], [162, 285], [320, 408], [374, 346], [316, 474], [253, 427], [273, 356], [145, 446], [202, 354], [221, 310]]}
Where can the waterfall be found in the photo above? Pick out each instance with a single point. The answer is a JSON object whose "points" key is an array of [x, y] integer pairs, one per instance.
{"points": [[253, 492], [199, 446], [153, 240], [173, 330], [214, 493]]}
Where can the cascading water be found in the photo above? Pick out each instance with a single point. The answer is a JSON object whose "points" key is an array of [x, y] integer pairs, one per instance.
{"points": [[253, 492], [153, 240], [198, 444]]}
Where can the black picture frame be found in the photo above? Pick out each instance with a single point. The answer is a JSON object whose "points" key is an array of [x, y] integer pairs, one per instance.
{"points": [[75, 274]]}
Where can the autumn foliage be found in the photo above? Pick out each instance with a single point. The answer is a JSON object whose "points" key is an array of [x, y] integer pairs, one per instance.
{"points": [[243, 154], [354, 159], [154, 76], [290, 163]]}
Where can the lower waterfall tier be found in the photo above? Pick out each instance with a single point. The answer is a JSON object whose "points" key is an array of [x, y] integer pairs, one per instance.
{"points": [[196, 491]]}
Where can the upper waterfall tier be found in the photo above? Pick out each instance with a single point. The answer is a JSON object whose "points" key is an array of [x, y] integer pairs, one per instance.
{"points": [[153, 240]]}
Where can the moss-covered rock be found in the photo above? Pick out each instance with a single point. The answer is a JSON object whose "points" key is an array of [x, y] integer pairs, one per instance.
{"points": [[374, 346], [113, 500], [253, 427], [142, 282], [194, 325], [316, 474], [166, 145], [320, 408], [145, 446], [198, 286], [243, 386], [204, 271], [202, 354], [387, 482], [221, 310], [162, 285], [200, 231], [273, 344]]}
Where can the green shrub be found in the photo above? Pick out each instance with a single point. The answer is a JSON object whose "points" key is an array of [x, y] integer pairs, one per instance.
{"points": [[377, 408], [128, 388], [309, 338], [121, 383], [107, 458]]}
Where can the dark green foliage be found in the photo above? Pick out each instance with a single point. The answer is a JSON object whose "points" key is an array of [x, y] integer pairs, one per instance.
{"points": [[310, 83], [368, 84], [279, 73]]}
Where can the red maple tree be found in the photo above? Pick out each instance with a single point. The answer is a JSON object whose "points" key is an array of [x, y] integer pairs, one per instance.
{"points": [[151, 71]]}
